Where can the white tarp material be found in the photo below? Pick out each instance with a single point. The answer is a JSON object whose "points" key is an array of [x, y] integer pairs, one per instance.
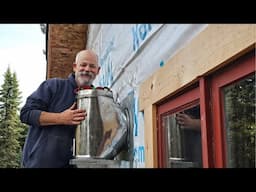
{"points": [[129, 54]]}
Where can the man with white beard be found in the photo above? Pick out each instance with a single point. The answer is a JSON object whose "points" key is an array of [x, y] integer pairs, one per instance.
{"points": [[52, 115]]}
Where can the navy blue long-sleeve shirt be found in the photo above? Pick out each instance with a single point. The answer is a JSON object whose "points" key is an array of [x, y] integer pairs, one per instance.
{"points": [[48, 146]]}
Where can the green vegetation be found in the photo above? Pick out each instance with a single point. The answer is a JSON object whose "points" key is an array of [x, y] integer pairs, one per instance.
{"points": [[240, 123], [12, 131]]}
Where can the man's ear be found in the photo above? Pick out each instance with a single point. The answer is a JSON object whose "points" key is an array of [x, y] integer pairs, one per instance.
{"points": [[98, 70], [74, 67]]}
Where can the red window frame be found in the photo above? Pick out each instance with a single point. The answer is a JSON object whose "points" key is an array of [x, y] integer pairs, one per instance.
{"points": [[185, 100], [238, 70], [208, 93]]}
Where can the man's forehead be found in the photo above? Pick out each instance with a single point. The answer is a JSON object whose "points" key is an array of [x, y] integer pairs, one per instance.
{"points": [[87, 62], [87, 56]]}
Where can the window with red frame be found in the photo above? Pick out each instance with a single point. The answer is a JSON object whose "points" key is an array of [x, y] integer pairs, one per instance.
{"points": [[228, 138]]}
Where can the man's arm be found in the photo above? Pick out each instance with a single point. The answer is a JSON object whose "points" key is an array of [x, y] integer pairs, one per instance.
{"points": [[187, 122], [70, 116]]}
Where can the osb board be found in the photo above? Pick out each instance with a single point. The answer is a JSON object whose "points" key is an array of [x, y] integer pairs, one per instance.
{"points": [[214, 46], [150, 137]]}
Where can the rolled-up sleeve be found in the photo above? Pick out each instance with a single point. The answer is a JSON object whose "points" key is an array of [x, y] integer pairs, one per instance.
{"points": [[30, 117], [36, 103]]}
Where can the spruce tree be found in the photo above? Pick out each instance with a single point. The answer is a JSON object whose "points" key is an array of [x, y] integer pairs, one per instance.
{"points": [[10, 125]]}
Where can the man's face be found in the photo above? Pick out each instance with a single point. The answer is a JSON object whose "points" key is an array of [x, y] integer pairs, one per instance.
{"points": [[86, 69]]}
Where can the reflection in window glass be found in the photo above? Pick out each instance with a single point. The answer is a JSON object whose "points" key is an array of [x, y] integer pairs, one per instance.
{"points": [[239, 109], [184, 138]]}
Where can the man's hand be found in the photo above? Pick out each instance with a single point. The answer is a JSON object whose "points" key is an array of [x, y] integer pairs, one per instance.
{"points": [[187, 122], [70, 116]]}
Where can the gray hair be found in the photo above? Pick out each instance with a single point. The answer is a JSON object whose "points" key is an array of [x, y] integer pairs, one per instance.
{"points": [[85, 51]]}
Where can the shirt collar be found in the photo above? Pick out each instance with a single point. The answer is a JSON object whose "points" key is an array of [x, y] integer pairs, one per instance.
{"points": [[72, 80]]}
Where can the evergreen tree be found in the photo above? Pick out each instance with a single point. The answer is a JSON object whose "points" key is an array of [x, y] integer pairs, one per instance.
{"points": [[10, 125]]}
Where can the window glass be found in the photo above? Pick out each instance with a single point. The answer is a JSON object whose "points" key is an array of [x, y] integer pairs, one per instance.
{"points": [[239, 113], [184, 138]]}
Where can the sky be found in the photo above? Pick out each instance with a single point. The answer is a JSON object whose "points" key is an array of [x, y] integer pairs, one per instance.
{"points": [[21, 48]]}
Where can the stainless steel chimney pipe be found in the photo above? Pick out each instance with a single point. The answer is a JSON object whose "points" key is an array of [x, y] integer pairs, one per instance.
{"points": [[103, 133]]}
